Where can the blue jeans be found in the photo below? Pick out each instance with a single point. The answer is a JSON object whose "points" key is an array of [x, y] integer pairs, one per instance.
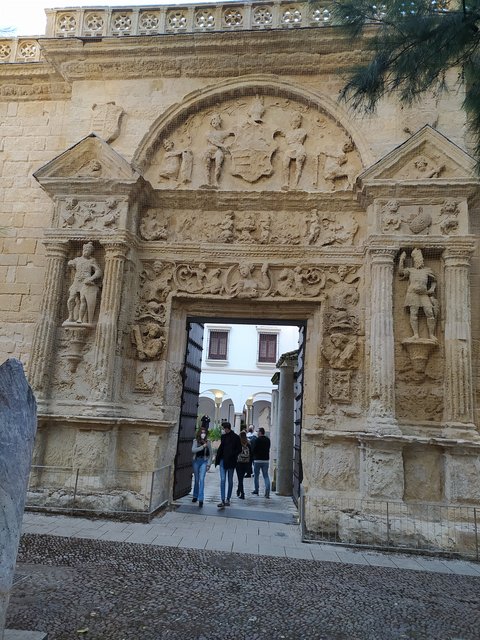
{"points": [[199, 471], [224, 475], [261, 465]]}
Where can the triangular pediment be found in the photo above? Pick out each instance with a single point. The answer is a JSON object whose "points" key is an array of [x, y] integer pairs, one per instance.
{"points": [[426, 157], [91, 162]]}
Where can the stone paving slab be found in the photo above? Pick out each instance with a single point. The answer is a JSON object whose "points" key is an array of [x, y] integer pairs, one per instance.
{"points": [[16, 634], [124, 591]]}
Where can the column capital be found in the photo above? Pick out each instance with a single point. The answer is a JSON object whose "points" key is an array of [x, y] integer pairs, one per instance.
{"points": [[115, 248], [56, 248], [382, 255], [458, 255]]}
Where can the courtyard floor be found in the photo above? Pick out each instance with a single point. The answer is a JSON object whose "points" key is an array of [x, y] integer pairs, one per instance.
{"points": [[240, 574]]}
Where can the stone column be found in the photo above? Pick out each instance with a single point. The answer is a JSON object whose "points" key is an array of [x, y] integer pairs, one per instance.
{"points": [[44, 335], [381, 413], [459, 405], [286, 418], [18, 422], [107, 326]]}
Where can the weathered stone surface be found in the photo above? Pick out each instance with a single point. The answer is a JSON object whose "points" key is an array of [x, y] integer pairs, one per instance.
{"points": [[18, 423]]}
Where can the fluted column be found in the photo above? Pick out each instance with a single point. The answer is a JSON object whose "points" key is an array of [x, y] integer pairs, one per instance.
{"points": [[459, 407], [381, 414], [44, 335], [106, 331]]}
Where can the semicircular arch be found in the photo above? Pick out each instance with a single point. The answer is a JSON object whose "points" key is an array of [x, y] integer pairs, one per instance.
{"points": [[259, 84]]}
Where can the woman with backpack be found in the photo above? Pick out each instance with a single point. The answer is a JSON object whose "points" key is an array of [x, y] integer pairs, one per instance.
{"points": [[243, 463]]}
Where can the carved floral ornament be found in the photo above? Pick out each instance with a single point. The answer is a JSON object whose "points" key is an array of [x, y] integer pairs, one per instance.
{"points": [[273, 142]]}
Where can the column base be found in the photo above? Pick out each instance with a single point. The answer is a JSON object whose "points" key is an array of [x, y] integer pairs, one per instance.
{"points": [[461, 431]]}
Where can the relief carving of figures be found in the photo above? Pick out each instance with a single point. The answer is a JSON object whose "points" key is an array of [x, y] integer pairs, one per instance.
{"points": [[227, 229], [90, 214], [423, 168], [449, 214], [215, 153], [149, 340], [266, 229], [335, 167], [247, 229], [83, 292], [199, 279], [342, 296], [340, 350], [391, 216], [295, 153], [300, 281], [253, 146], [334, 233], [177, 163], [91, 169], [156, 281], [242, 282], [151, 229], [422, 283]]}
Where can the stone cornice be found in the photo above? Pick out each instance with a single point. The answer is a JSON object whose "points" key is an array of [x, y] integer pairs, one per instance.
{"points": [[32, 81], [102, 423], [361, 438], [220, 54]]}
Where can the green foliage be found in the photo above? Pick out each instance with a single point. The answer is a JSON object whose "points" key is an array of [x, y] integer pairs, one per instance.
{"points": [[214, 433], [412, 45]]}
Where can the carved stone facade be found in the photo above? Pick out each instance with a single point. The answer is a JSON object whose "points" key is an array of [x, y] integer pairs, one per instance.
{"points": [[218, 190]]}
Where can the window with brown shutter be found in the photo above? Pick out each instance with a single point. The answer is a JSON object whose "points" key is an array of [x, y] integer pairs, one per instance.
{"points": [[267, 347], [217, 346]]}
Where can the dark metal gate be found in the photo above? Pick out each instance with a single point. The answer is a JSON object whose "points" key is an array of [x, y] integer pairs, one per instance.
{"points": [[297, 458], [188, 417]]}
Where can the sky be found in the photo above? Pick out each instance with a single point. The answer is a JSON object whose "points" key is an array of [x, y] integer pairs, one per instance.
{"points": [[28, 16]]}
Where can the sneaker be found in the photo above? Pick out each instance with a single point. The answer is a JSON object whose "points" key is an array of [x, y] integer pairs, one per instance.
{"points": [[255, 493], [267, 495], [200, 503], [194, 499], [221, 505], [227, 503]]}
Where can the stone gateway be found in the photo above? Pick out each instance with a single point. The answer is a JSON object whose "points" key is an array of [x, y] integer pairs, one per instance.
{"points": [[202, 168]]}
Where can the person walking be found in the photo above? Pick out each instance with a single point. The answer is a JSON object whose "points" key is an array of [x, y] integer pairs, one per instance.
{"points": [[226, 457], [202, 459], [261, 457], [243, 463], [251, 439]]}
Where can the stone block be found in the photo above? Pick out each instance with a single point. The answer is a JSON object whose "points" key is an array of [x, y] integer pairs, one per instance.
{"points": [[424, 474], [19, 245], [16, 634]]}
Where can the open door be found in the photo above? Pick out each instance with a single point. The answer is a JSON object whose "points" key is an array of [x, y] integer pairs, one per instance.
{"points": [[189, 404], [297, 459]]}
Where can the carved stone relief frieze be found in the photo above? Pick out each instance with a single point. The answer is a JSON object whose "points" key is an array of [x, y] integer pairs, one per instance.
{"points": [[313, 228], [447, 217], [275, 143], [101, 215]]}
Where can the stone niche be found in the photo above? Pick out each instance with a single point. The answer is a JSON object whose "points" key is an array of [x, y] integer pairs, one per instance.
{"points": [[256, 142], [424, 473]]}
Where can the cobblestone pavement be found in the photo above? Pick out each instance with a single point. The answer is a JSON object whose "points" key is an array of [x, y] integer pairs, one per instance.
{"points": [[102, 590]]}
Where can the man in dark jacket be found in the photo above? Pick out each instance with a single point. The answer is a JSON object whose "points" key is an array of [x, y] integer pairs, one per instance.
{"points": [[261, 457], [230, 447]]}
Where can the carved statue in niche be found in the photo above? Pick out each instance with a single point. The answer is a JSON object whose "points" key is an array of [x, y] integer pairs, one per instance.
{"points": [[242, 282], [295, 152], [422, 168], [391, 216], [253, 146], [420, 293], [340, 350], [247, 229], [215, 153], [227, 229], [151, 229], [449, 214], [83, 292], [177, 163], [149, 340], [156, 281]]}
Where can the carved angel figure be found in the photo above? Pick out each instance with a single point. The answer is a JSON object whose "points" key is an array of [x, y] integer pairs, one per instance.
{"points": [[156, 281], [83, 292], [425, 168]]}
